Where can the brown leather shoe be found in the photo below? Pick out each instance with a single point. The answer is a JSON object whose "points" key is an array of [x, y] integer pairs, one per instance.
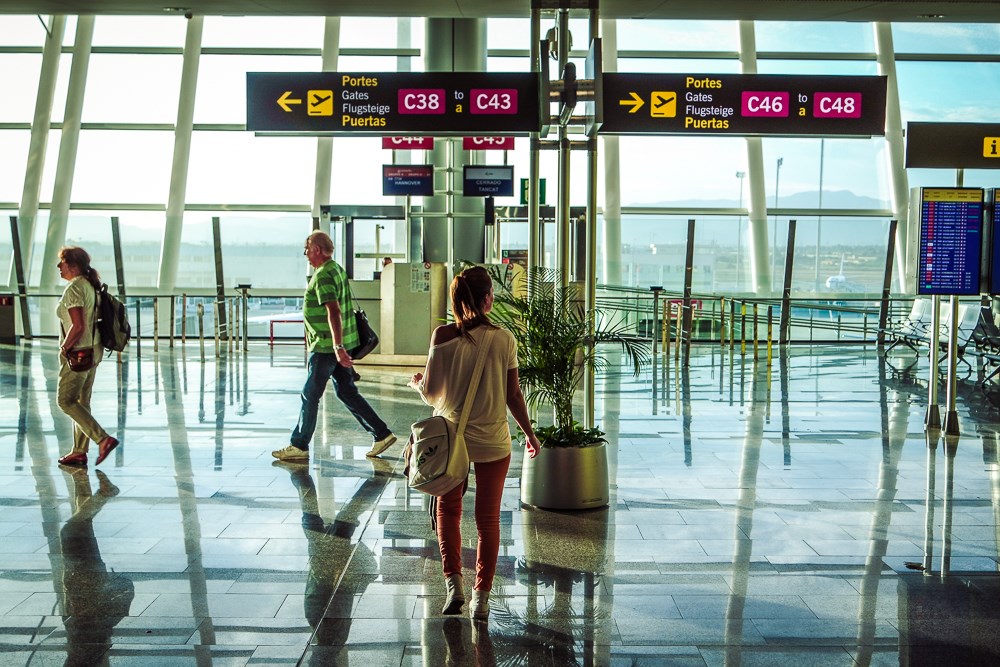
{"points": [[73, 459], [107, 446]]}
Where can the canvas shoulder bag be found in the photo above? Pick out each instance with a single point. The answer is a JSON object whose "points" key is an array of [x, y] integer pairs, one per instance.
{"points": [[436, 459]]}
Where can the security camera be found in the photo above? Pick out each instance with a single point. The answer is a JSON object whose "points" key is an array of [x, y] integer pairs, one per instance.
{"points": [[188, 14]]}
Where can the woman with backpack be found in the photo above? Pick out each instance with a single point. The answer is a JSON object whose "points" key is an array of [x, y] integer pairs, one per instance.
{"points": [[443, 385], [80, 352]]}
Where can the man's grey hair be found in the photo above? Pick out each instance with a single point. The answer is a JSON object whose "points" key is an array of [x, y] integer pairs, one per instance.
{"points": [[321, 240]]}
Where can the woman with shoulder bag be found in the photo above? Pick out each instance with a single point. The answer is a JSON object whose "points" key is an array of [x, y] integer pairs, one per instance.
{"points": [[80, 353], [443, 384]]}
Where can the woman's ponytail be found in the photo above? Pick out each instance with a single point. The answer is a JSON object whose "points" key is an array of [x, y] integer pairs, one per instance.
{"points": [[93, 277], [468, 295]]}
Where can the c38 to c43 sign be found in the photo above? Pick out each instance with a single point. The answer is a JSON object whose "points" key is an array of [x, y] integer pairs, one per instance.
{"points": [[441, 103]]}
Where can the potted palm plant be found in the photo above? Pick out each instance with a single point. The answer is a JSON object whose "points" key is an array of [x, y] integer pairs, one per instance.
{"points": [[555, 346]]}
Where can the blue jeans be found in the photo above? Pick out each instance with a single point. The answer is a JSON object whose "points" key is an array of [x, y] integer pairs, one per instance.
{"points": [[323, 366]]}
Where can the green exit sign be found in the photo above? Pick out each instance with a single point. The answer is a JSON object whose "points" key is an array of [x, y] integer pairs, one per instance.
{"points": [[524, 192]]}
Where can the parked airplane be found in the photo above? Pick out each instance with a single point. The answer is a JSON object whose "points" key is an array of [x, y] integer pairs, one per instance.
{"points": [[840, 282]]}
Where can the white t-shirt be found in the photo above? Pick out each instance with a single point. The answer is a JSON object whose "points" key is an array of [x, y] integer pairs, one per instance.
{"points": [[79, 293], [449, 371]]}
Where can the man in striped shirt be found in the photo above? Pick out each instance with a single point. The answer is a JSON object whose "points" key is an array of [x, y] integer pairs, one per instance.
{"points": [[331, 332]]}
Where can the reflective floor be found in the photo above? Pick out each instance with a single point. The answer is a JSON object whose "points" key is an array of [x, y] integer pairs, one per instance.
{"points": [[791, 514]]}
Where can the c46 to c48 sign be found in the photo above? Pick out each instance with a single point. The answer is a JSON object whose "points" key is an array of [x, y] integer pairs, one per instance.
{"points": [[744, 104], [382, 103]]}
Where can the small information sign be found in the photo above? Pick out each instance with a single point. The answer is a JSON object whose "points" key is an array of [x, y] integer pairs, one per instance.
{"points": [[482, 181], [953, 145], [401, 180]]}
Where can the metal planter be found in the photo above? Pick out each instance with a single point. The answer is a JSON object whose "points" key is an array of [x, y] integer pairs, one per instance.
{"points": [[566, 478]]}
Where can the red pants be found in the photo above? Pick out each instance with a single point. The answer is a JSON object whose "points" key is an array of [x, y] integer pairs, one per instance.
{"points": [[489, 490]]}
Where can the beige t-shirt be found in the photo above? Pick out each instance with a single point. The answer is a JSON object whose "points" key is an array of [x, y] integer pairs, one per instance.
{"points": [[79, 293], [446, 381]]}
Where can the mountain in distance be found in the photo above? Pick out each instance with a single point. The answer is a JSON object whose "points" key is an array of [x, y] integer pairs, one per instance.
{"points": [[836, 199]]}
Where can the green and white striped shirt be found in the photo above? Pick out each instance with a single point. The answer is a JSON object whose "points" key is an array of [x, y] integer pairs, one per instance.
{"points": [[328, 283]]}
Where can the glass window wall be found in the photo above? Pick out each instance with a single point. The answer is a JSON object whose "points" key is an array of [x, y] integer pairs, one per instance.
{"points": [[122, 167], [23, 30], [238, 167], [141, 88], [678, 36], [145, 31], [126, 167], [814, 37], [946, 38], [14, 149], [19, 74]]}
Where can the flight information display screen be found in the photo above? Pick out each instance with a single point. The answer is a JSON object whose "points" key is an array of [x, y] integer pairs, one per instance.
{"points": [[951, 233], [995, 250], [401, 180]]}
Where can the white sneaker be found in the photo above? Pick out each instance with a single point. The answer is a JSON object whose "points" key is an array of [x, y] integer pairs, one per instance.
{"points": [[380, 446], [454, 595], [291, 453], [480, 605]]}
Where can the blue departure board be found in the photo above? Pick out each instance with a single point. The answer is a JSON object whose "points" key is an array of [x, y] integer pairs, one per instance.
{"points": [[951, 235], [995, 250], [401, 180]]}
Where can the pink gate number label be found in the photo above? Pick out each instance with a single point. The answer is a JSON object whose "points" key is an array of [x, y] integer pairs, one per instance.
{"points": [[493, 101], [421, 101], [764, 103], [837, 105]]}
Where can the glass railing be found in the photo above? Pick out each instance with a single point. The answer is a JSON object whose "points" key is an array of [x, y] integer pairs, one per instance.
{"points": [[714, 318]]}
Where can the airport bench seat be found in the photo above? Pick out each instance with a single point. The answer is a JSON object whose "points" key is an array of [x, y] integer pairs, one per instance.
{"points": [[914, 329], [987, 340]]}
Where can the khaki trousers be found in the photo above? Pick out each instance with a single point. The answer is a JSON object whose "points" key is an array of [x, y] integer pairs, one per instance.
{"points": [[73, 397]]}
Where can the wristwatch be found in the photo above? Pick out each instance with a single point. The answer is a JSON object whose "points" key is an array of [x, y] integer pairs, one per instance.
{"points": [[338, 347]]}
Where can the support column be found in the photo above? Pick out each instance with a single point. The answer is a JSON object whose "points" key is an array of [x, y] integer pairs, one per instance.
{"points": [[454, 45], [324, 145], [535, 252], [66, 166], [562, 258], [176, 196], [760, 265], [612, 237], [885, 53], [590, 278], [30, 195]]}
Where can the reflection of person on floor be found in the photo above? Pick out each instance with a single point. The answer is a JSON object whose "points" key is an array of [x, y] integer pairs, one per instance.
{"points": [[96, 600], [457, 650], [335, 556]]}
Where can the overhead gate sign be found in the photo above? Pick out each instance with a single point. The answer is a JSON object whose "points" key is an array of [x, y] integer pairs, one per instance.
{"points": [[440, 103], [744, 104]]}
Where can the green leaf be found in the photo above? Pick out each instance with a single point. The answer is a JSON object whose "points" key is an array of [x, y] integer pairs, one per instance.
{"points": [[556, 343]]}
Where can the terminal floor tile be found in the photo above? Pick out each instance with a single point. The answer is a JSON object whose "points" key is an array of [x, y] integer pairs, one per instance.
{"points": [[791, 513]]}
